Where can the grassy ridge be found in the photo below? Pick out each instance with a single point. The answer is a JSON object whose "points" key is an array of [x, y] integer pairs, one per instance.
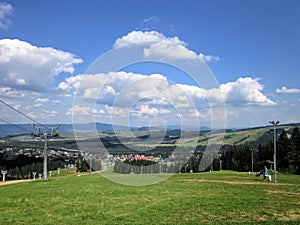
{"points": [[216, 198]]}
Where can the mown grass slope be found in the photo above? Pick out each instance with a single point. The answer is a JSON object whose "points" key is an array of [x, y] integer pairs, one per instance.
{"points": [[224, 197]]}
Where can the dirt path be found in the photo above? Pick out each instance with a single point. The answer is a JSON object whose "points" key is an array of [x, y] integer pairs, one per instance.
{"points": [[13, 182]]}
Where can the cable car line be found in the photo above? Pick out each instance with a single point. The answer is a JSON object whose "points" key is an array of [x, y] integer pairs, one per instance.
{"points": [[23, 114]]}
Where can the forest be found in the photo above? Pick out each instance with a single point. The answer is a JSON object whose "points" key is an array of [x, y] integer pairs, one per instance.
{"points": [[231, 157]]}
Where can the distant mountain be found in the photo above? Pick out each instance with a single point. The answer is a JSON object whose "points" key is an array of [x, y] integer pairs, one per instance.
{"points": [[7, 129]]}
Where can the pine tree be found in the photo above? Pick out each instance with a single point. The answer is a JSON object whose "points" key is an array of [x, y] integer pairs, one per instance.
{"points": [[293, 156], [282, 151]]}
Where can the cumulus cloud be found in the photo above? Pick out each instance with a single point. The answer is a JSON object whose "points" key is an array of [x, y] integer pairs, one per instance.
{"points": [[145, 38], [245, 91], [105, 88], [5, 11], [158, 46], [177, 52], [126, 89], [27, 67], [146, 96], [287, 90]]}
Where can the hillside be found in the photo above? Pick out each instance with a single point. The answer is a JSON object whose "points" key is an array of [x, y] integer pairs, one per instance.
{"points": [[224, 197], [144, 138], [254, 136]]}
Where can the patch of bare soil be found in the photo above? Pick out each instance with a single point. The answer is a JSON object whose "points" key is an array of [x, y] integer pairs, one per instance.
{"points": [[13, 182]]}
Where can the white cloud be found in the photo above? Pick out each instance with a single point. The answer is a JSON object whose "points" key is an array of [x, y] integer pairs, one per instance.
{"points": [[11, 93], [287, 90], [21, 82], [105, 87], [56, 101], [24, 66], [40, 101], [158, 46], [152, 111], [145, 38], [245, 91], [166, 49], [44, 114], [5, 11], [130, 87], [144, 96], [81, 110], [194, 91]]}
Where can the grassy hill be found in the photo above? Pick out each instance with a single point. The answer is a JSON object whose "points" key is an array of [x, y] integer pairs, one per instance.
{"points": [[253, 136], [224, 197]]}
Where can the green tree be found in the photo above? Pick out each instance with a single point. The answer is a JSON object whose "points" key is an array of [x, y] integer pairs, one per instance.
{"points": [[82, 165], [293, 156], [282, 151], [18, 173]]}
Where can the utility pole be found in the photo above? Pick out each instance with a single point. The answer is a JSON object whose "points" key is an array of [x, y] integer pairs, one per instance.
{"points": [[91, 164], [45, 157], [211, 163], [39, 133], [274, 127], [252, 160]]}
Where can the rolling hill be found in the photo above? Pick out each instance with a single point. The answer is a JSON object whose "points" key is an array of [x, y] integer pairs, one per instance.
{"points": [[144, 137]]}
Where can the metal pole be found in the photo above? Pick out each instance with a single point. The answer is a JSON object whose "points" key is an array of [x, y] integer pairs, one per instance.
{"points": [[211, 163], [91, 166], [179, 165], [45, 134], [252, 160], [45, 157], [275, 175], [274, 126], [160, 167]]}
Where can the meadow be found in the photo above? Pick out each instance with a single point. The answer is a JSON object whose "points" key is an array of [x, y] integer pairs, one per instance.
{"points": [[222, 197]]}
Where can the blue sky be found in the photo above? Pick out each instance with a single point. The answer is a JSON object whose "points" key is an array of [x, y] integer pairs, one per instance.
{"points": [[251, 47]]}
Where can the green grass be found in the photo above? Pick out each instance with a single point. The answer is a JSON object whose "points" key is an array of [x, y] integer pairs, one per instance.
{"points": [[206, 198]]}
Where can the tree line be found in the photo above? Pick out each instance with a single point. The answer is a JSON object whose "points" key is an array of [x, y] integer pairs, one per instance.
{"points": [[239, 157], [233, 157], [22, 167]]}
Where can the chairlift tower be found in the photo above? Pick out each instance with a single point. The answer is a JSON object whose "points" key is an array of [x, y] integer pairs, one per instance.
{"points": [[4, 172], [44, 134]]}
